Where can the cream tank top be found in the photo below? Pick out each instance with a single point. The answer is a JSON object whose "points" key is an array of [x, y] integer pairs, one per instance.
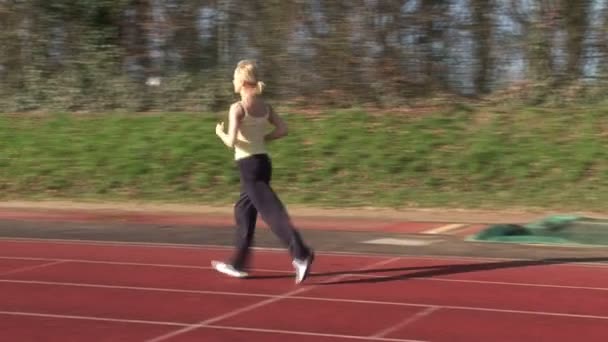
{"points": [[250, 137]]}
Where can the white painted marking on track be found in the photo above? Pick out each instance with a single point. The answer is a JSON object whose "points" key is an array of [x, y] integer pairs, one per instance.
{"points": [[123, 263], [445, 229], [178, 324], [401, 242], [352, 337], [212, 320], [594, 265], [199, 247], [352, 275], [540, 313], [89, 318], [441, 279], [321, 299], [29, 268], [132, 288], [598, 264], [418, 316]]}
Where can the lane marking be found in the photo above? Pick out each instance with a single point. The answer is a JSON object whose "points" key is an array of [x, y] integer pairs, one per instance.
{"points": [[401, 242], [90, 318], [445, 229], [352, 337], [313, 274], [122, 263], [418, 316], [218, 327], [209, 247], [305, 298], [29, 268], [274, 299]]}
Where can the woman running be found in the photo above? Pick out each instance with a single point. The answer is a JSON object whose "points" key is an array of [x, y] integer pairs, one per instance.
{"points": [[249, 126]]}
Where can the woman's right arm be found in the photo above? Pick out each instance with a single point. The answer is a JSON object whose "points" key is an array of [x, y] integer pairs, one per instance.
{"points": [[234, 121]]}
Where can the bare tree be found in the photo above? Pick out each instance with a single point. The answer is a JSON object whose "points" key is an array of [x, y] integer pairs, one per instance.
{"points": [[483, 29]]}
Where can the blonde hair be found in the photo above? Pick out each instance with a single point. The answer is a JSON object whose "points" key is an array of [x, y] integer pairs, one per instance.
{"points": [[246, 72]]}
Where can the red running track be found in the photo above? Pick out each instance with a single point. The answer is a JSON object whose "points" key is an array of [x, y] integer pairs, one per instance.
{"points": [[88, 291]]}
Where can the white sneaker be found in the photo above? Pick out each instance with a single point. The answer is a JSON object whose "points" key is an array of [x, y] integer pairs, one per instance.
{"points": [[228, 269], [302, 268]]}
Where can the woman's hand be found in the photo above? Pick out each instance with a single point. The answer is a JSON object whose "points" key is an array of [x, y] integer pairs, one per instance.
{"points": [[219, 129], [235, 116]]}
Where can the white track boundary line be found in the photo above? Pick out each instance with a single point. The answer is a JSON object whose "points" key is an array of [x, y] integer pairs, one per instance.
{"points": [[418, 316], [135, 288], [215, 319], [143, 264], [177, 324], [352, 337], [119, 243], [445, 228], [319, 299], [90, 318], [282, 250], [181, 246], [29, 268], [53, 261]]}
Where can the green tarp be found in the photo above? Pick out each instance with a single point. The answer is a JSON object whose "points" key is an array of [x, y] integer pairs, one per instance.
{"points": [[558, 229]]}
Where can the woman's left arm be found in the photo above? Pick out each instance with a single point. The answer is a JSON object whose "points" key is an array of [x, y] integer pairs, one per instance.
{"points": [[280, 127]]}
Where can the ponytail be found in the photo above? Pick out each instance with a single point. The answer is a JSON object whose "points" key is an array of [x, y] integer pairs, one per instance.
{"points": [[260, 87]]}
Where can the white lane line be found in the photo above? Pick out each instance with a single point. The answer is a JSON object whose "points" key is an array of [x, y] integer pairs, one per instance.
{"points": [[320, 299], [266, 270], [603, 263], [352, 337], [445, 229], [90, 318], [401, 242], [178, 324], [212, 320], [29, 268], [418, 316]]}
